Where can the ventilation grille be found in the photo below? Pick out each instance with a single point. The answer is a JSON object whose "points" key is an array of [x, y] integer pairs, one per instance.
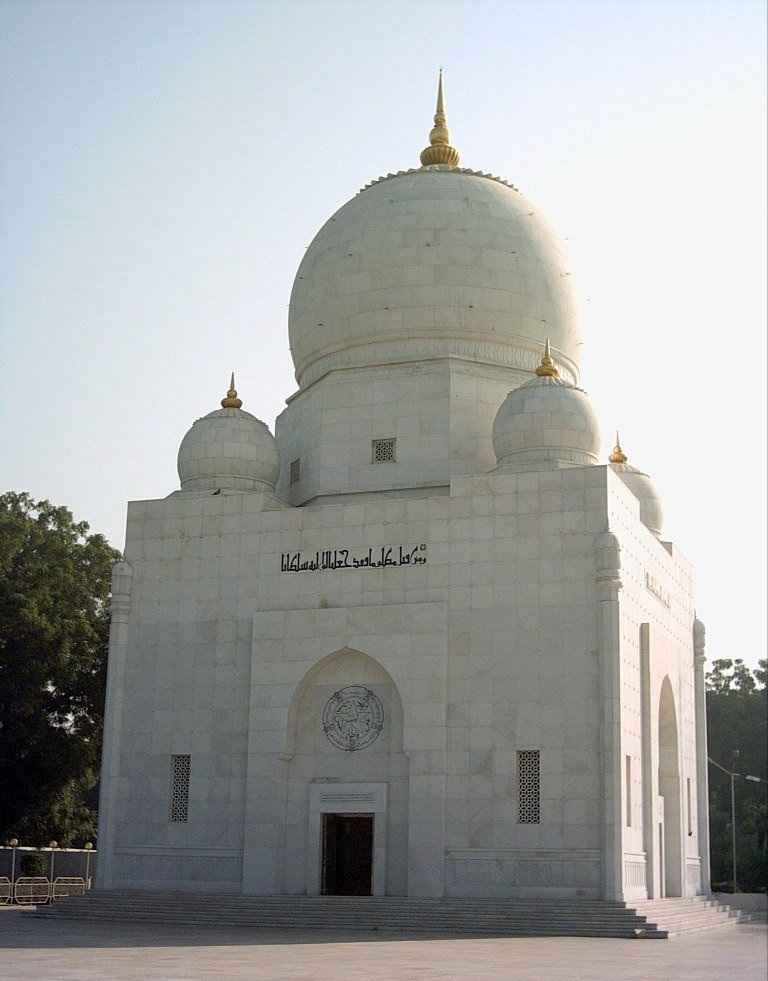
{"points": [[383, 450], [529, 776], [347, 798], [181, 767]]}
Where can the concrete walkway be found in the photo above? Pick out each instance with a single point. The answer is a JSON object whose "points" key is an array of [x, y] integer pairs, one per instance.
{"points": [[67, 950]]}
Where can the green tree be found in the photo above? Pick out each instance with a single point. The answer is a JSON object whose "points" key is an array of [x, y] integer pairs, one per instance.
{"points": [[737, 703], [54, 625]]}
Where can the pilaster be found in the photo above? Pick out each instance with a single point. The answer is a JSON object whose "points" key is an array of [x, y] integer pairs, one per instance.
{"points": [[120, 607], [426, 825], [608, 583], [702, 774], [649, 767]]}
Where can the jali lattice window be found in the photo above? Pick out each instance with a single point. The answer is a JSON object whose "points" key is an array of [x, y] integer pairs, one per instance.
{"points": [[383, 450], [295, 472], [529, 778], [181, 767]]}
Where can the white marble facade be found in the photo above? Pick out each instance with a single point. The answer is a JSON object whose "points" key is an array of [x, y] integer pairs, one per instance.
{"points": [[493, 654]]}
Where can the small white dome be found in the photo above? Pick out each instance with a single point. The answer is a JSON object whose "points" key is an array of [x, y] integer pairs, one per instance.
{"points": [[641, 485], [545, 424], [228, 449]]}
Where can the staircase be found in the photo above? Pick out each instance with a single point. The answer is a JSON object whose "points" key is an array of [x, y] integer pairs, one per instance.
{"points": [[656, 919], [676, 916]]}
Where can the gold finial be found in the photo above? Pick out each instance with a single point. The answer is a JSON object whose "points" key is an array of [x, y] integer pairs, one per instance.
{"points": [[440, 151], [618, 455], [547, 368], [231, 401]]}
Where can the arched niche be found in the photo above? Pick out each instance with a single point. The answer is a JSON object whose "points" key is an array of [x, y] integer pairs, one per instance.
{"points": [[668, 827], [378, 768], [344, 667]]}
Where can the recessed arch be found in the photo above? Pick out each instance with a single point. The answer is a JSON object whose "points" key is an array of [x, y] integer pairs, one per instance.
{"points": [[324, 776], [313, 674], [668, 830]]}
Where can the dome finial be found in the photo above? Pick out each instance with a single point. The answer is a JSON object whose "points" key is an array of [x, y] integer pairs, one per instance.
{"points": [[618, 455], [440, 152], [547, 368], [231, 401], [439, 108]]}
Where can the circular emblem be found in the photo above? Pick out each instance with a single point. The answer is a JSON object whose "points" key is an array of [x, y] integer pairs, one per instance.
{"points": [[353, 718]]}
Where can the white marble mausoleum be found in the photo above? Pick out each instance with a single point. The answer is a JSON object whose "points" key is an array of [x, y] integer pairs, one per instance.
{"points": [[422, 641]]}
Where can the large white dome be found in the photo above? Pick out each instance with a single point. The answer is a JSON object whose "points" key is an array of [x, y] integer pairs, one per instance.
{"points": [[429, 263]]}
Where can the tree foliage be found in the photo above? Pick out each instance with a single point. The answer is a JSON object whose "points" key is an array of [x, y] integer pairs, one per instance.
{"points": [[54, 624], [737, 721]]}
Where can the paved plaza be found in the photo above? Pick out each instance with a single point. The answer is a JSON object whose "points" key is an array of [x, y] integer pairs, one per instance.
{"points": [[60, 950]]}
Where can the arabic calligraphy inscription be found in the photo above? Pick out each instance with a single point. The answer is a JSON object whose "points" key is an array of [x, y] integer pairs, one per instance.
{"points": [[655, 586], [331, 559]]}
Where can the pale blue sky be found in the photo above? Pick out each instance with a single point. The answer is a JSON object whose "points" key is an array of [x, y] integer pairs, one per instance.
{"points": [[167, 163]]}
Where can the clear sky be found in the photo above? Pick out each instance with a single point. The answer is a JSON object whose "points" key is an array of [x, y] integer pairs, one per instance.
{"points": [[167, 163]]}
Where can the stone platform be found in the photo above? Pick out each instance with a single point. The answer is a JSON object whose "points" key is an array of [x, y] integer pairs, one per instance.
{"points": [[57, 948], [477, 917]]}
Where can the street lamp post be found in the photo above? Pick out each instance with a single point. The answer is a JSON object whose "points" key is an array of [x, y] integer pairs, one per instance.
{"points": [[733, 829], [88, 847], [732, 775]]}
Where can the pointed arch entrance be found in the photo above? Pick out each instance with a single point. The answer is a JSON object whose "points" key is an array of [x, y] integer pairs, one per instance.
{"points": [[668, 822], [347, 787]]}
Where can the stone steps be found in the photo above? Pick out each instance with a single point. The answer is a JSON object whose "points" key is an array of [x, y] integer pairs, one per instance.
{"points": [[655, 919], [679, 919]]}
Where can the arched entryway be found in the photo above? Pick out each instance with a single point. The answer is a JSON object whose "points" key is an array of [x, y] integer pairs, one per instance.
{"points": [[669, 842], [347, 790]]}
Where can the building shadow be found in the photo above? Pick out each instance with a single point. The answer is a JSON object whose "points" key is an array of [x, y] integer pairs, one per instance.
{"points": [[23, 930]]}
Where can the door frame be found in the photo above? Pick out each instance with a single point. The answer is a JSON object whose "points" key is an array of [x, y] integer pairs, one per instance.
{"points": [[371, 818], [347, 798]]}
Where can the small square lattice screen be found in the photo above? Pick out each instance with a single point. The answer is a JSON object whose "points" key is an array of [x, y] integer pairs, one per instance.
{"points": [[180, 770], [295, 472], [529, 776], [383, 450]]}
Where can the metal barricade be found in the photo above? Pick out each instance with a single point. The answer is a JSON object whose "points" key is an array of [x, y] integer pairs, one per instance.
{"points": [[6, 890], [67, 885], [32, 890]]}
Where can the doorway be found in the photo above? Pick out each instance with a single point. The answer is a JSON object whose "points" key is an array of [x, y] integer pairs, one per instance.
{"points": [[347, 855]]}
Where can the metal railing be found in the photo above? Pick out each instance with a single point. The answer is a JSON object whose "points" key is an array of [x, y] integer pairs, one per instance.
{"points": [[31, 889], [67, 885], [36, 890]]}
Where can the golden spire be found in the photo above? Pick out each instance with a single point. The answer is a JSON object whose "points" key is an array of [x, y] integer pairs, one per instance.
{"points": [[231, 401], [440, 151], [547, 368], [618, 455]]}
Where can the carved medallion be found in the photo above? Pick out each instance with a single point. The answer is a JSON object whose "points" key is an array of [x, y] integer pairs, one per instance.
{"points": [[353, 718]]}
